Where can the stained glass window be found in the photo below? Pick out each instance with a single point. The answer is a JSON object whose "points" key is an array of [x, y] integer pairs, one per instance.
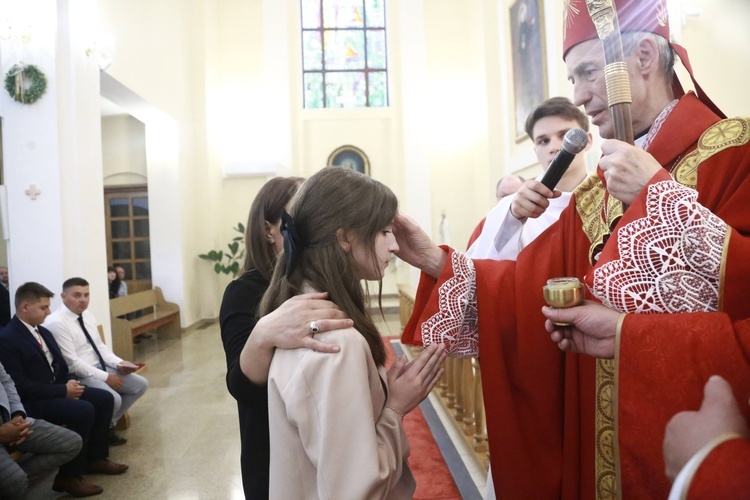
{"points": [[344, 53]]}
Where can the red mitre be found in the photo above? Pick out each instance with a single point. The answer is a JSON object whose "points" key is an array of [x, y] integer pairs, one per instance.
{"points": [[633, 15]]}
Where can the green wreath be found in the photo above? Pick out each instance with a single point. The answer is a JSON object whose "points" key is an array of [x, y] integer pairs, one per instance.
{"points": [[25, 83]]}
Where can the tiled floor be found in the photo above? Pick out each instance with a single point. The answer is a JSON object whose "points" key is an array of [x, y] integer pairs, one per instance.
{"points": [[184, 439]]}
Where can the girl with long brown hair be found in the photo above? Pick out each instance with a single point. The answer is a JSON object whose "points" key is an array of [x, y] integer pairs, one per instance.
{"points": [[336, 419]]}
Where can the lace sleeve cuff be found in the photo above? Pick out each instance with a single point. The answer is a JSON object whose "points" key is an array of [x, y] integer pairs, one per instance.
{"points": [[668, 259], [455, 324]]}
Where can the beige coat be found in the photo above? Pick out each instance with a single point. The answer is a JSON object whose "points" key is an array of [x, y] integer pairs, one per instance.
{"points": [[331, 435]]}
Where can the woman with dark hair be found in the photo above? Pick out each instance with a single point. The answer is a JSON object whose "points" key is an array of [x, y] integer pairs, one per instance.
{"points": [[288, 328], [114, 282], [336, 419]]}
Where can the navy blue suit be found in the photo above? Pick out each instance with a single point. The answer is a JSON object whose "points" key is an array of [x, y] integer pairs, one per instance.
{"points": [[43, 392]]}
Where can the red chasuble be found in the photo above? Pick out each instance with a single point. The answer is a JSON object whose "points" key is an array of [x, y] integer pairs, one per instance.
{"points": [[541, 403], [476, 233], [723, 473], [663, 365]]}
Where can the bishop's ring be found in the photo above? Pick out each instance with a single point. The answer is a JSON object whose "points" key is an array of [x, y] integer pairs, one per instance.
{"points": [[314, 327]]}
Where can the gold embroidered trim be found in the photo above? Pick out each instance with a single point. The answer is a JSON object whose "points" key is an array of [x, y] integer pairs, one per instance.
{"points": [[589, 203], [614, 211], [725, 134], [593, 209], [616, 404], [598, 212], [606, 437]]}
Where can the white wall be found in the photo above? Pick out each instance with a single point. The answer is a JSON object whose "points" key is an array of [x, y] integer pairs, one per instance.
{"points": [[716, 35], [166, 234], [161, 58], [123, 151], [456, 135], [55, 144], [3, 243]]}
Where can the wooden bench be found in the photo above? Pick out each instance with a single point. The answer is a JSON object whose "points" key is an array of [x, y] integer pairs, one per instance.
{"points": [[146, 310]]}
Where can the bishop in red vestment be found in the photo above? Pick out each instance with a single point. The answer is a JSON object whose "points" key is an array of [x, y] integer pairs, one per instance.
{"points": [[563, 425]]}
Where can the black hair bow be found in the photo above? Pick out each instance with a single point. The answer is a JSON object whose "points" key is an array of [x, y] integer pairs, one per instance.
{"points": [[292, 244]]}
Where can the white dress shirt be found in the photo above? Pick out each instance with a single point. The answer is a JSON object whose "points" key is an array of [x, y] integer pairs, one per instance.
{"points": [[76, 349], [39, 340]]}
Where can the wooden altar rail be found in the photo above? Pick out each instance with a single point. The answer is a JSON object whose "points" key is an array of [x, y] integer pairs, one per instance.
{"points": [[459, 391]]}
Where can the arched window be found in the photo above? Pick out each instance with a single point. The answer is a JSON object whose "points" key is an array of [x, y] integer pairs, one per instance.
{"points": [[344, 62]]}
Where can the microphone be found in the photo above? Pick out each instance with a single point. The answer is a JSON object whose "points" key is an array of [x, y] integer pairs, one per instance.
{"points": [[574, 142]]}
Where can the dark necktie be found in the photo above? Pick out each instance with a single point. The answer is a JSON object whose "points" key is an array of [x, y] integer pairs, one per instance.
{"points": [[91, 341]]}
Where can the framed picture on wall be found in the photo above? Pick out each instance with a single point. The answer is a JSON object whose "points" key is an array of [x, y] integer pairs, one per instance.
{"points": [[529, 69], [350, 157]]}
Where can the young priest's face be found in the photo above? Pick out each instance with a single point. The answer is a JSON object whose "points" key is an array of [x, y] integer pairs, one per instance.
{"points": [[548, 135]]}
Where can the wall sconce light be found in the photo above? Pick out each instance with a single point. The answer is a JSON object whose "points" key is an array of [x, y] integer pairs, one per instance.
{"points": [[102, 50]]}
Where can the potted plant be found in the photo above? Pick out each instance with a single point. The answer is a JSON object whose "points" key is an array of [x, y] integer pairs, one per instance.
{"points": [[230, 261]]}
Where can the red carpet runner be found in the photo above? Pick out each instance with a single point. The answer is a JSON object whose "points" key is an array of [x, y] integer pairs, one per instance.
{"points": [[434, 480]]}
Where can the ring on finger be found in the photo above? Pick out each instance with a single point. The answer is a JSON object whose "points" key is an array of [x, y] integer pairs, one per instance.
{"points": [[314, 327]]}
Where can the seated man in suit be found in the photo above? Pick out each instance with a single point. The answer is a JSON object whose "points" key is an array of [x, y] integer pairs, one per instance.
{"points": [[34, 361], [50, 445], [90, 359]]}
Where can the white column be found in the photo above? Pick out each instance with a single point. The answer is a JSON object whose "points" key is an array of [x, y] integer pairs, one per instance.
{"points": [[55, 145]]}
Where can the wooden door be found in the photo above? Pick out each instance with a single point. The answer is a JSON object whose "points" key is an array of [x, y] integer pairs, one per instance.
{"points": [[128, 244]]}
